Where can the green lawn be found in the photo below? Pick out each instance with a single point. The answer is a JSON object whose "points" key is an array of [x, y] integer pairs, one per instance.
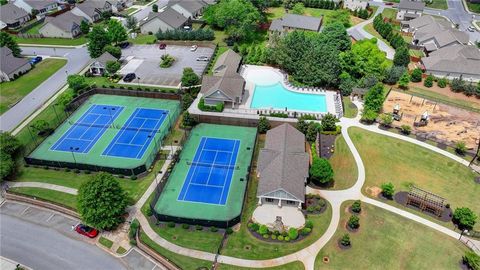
{"points": [[438, 4], [369, 28], [391, 160], [389, 241], [438, 97], [13, 91], [343, 165], [296, 265], [129, 11], [417, 53], [278, 12], [275, 13], [389, 13], [184, 262], [473, 7], [53, 41], [350, 110], [316, 12], [54, 196], [34, 30], [121, 250], [142, 39], [220, 36], [105, 242]]}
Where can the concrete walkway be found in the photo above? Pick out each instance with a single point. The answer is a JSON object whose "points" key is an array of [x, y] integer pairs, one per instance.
{"points": [[64, 189]]}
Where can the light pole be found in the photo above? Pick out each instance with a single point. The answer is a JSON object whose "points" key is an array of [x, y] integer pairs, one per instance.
{"points": [[73, 155], [463, 233]]}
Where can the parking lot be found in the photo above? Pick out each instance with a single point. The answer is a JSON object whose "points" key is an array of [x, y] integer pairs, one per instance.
{"points": [[144, 61]]}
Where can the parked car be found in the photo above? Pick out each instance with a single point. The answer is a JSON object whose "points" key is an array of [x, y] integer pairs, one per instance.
{"points": [[162, 46], [86, 230], [36, 60], [471, 29], [193, 48], [129, 77], [203, 58], [124, 45]]}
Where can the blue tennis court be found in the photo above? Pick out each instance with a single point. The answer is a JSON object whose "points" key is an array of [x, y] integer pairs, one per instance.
{"points": [[86, 131], [211, 171], [136, 134]]}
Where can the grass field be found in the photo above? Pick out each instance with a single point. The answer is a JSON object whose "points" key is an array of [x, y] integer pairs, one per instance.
{"points": [[350, 109], [343, 165], [278, 12], [34, 30], [105, 242], [54, 196], [390, 13], [13, 91], [473, 7], [438, 4], [404, 164], [142, 39], [389, 241], [184, 262], [296, 265], [53, 41], [417, 53]]}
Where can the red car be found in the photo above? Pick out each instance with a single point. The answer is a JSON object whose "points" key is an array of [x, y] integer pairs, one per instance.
{"points": [[85, 230], [162, 46]]}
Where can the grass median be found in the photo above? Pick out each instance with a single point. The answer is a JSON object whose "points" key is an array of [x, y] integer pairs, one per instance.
{"points": [[53, 196]]}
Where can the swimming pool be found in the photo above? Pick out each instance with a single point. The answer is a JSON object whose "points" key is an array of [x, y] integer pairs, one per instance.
{"points": [[277, 97]]}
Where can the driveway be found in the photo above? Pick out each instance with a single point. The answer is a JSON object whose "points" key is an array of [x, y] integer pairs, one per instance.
{"points": [[145, 60], [77, 60], [143, 13]]}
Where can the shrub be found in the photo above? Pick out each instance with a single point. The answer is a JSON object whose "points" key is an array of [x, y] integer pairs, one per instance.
{"points": [[213, 229], [180, 34], [311, 209], [185, 226], [416, 75], [345, 240], [76, 82], [217, 108], [442, 83], [229, 230], [273, 236], [266, 236], [133, 177], [329, 122], [305, 231], [404, 80], [464, 218], [309, 224], [460, 148], [198, 227], [171, 224], [189, 77], [286, 239], [356, 206], [406, 129], [263, 125], [457, 85], [254, 227], [354, 222], [386, 119], [293, 233], [167, 61], [280, 237], [263, 229], [112, 66], [388, 190], [321, 171], [472, 260], [149, 212]]}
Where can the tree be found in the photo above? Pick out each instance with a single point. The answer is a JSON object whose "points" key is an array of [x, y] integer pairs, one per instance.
{"points": [[116, 31], [112, 66], [188, 120], [189, 77], [336, 34], [374, 98], [347, 83], [42, 127], [404, 81], [97, 40], [428, 81], [102, 202], [354, 222], [154, 8], [394, 74], [76, 82], [84, 27], [131, 23], [113, 50], [464, 218], [9, 144], [263, 125], [6, 40], [388, 190], [365, 59], [321, 171], [329, 122], [345, 240], [7, 165], [298, 8], [312, 131], [302, 126], [3, 2], [416, 75], [356, 206]]}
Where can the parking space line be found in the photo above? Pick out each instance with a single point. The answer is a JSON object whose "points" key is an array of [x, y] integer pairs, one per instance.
{"points": [[24, 210], [48, 219]]}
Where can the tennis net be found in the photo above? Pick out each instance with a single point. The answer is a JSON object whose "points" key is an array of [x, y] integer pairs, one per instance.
{"points": [[220, 166], [113, 126]]}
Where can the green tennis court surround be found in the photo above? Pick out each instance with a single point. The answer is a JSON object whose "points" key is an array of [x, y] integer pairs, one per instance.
{"points": [[118, 134], [208, 183]]}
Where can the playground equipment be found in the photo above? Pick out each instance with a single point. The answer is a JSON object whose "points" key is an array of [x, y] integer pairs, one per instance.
{"points": [[423, 120], [396, 112]]}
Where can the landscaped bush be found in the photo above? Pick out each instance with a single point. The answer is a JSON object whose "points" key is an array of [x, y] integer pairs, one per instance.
{"points": [[305, 231], [198, 227], [263, 229], [442, 83], [406, 129], [286, 239], [354, 222], [217, 108], [345, 240], [274, 237], [356, 206], [279, 115], [388, 190], [464, 218], [149, 212], [213, 229], [416, 75], [167, 61], [185, 226], [309, 224], [266, 236], [457, 85], [321, 171], [179, 34], [280, 237], [229, 230], [253, 226], [310, 208], [460, 148], [263, 125], [386, 119], [171, 224], [428, 81], [293, 233], [472, 260]]}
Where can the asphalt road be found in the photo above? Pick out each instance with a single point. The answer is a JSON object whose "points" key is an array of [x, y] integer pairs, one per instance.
{"points": [[40, 248], [77, 58]]}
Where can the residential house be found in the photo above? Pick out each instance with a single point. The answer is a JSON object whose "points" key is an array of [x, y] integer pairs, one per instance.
{"points": [[92, 10], [454, 61], [408, 10], [189, 8], [11, 66], [168, 19], [225, 85], [99, 65], [355, 4], [282, 172], [12, 16], [119, 5], [37, 8], [432, 34], [66, 25], [291, 22]]}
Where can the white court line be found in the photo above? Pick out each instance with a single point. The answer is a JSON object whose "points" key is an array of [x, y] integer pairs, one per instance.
{"points": [[156, 128], [189, 180], [226, 175], [211, 168], [99, 134], [112, 144], [206, 185]]}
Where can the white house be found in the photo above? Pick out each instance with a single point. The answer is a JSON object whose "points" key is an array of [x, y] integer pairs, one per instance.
{"points": [[92, 10], [189, 8], [11, 16], [66, 25], [408, 10], [37, 8], [168, 19]]}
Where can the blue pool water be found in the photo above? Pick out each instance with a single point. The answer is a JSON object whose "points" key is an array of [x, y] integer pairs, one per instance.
{"points": [[277, 97]]}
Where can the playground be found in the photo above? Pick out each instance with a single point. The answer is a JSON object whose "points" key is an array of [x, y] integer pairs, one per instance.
{"points": [[445, 123]]}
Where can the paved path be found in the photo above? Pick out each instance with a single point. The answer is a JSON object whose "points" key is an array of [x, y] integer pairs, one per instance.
{"points": [[68, 190], [358, 33], [77, 58]]}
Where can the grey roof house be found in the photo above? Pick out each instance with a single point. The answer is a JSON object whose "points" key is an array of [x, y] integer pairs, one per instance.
{"points": [[408, 10], [11, 66], [41, 7], [189, 8], [225, 85], [291, 22], [12, 17], [168, 19], [92, 10], [99, 65], [66, 25], [454, 61], [283, 167]]}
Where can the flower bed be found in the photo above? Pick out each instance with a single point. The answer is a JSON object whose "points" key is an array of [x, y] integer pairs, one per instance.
{"points": [[315, 204], [262, 232]]}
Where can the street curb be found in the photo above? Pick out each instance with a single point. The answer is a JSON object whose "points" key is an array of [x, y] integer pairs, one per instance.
{"points": [[52, 46]]}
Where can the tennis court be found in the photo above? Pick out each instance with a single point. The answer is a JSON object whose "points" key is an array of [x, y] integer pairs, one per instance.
{"points": [[136, 135], [109, 131], [209, 181], [86, 131], [210, 173]]}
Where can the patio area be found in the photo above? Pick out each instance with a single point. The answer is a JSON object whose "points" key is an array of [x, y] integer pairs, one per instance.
{"points": [[266, 214]]}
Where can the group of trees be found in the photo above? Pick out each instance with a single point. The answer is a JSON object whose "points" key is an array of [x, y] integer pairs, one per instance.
{"points": [[9, 148], [99, 38], [373, 102], [361, 13], [459, 85], [323, 4], [179, 34], [6, 40]]}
